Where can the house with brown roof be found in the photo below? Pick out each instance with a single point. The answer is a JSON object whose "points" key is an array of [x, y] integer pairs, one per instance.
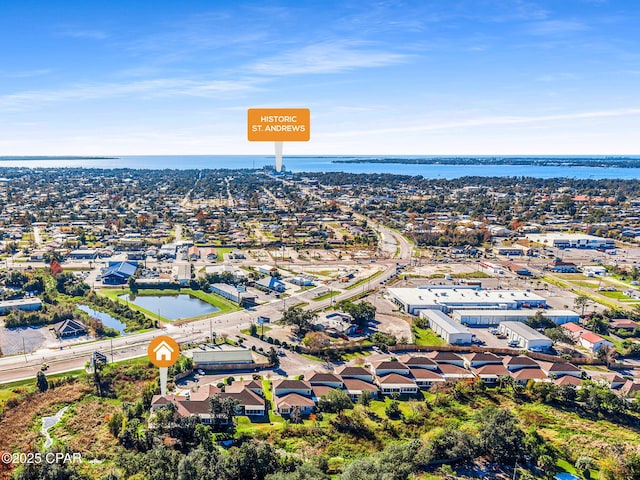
{"points": [[479, 359], [454, 373], [384, 367], [197, 403], [289, 394], [568, 380], [559, 369], [624, 324], [631, 388], [491, 373], [446, 357], [285, 404], [355, 387], [394, 382], [612, 379], [518, 362], [360, 373], [285, 386], [523, 375], [319, 391], [426, 378], [326, 378], [418, 361]]}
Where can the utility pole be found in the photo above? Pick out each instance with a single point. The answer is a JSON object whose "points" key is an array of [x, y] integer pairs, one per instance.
{"points": [[112, 350], [211, 330], [24, 349]]}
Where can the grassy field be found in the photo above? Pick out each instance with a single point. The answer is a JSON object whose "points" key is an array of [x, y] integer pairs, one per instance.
{"points": [[260, 330], [426, 336], [324, 296], [365, 280]]}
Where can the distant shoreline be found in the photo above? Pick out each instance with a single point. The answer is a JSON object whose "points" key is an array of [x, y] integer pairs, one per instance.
{"points": [[599, 162]]}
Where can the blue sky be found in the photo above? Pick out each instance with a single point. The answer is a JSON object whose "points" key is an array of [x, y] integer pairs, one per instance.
{"points": [[380, 77]]}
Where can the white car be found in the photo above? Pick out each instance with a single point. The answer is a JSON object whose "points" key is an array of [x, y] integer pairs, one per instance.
{"points": [[200, 372]]}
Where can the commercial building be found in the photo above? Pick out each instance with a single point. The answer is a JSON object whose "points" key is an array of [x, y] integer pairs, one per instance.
{"points": [[27, 304], [237, 294], [271, 283], [453, 332], [412, 300], [118, 273], [483, 317], [527, 337], [302, 281], [84, 254], [572, 240], [218, 358], [592, 270], [510, 251]]}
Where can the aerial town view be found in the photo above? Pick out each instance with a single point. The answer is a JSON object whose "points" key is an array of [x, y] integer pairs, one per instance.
{"points": [[289, 241]]}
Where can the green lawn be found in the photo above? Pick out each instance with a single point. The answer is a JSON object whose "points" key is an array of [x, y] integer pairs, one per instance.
{"points": [[621, 297], [260, 330], [347, 357], [365, 280], [329, 294], [426, 336]]}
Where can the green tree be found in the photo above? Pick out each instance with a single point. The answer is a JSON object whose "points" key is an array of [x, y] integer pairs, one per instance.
{"points": [[41, 381], [302, 320], [306, 471], [500, 436], [581, 302], [584, 465], [365, 398], [274, 359], [393, 410], [558, 334], [362, 312], [336, 401]]}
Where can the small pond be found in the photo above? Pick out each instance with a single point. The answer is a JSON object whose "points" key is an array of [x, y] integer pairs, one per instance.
{"points": [[172, 307], [106, 319]]}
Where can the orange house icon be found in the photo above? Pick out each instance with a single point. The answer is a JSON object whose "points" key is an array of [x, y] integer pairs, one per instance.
{"points": [[163, 351]]}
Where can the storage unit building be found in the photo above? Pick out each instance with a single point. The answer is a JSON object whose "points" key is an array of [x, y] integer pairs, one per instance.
{"points": [[450, 330], [527, 337]]}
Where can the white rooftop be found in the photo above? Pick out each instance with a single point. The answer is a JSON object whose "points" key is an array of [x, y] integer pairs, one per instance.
{"points": [[526, 312], [461, 297], [525, 331], [444, 321]]}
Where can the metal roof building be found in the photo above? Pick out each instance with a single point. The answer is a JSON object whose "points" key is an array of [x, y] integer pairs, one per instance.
{"points": [[411, 300], [449, 329], [481, 317], [527, 337]]}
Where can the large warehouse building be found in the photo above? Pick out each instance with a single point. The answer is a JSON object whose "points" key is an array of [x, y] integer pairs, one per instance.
{"points": [[483, 317], [450, 330], [572, 240], [412, 300], [527, 337]]}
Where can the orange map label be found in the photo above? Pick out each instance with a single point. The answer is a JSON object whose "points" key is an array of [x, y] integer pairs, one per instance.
{"points": [[279, 124]]}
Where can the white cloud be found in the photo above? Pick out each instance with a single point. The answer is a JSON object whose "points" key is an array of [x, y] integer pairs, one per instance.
{"points": [[492, 121], [162, 87], [326, 57]]}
